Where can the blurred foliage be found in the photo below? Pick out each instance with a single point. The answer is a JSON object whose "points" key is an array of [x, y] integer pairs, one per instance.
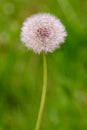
{"points": [[21, 69]]}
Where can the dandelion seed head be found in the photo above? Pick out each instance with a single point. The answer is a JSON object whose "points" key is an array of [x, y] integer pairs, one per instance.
{"points": [[43, 33]]}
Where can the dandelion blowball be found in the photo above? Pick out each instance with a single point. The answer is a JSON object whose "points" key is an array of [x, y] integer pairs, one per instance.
{"points": [[43, 33]]}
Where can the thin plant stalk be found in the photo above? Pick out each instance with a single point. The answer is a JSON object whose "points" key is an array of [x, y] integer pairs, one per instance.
{"points": [[43, 98]]}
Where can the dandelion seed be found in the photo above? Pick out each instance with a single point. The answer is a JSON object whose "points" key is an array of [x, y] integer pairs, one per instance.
{"points": [[43, 33]]}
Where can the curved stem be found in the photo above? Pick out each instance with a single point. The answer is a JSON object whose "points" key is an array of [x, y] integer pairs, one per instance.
{"points": [[38, 123]]}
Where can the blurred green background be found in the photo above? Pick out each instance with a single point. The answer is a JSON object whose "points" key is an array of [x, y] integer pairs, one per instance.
{"points": [[21, 70]]}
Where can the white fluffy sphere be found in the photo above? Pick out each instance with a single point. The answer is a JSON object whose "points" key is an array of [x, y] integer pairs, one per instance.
{"points": [[43, 33]]}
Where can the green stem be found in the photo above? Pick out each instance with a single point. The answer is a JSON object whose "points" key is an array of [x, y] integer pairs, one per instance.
{"points": [[38, 123]]}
